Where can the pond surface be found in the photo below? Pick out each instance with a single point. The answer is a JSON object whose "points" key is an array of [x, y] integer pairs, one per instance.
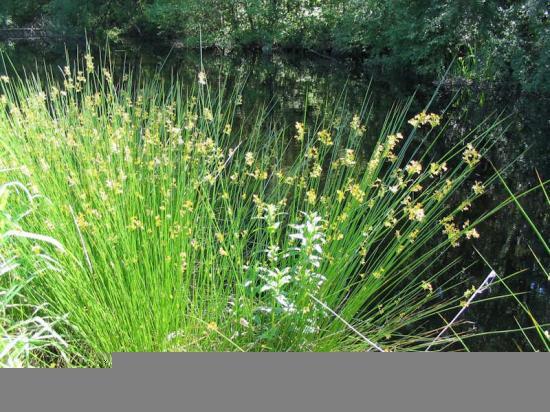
{"points": [[285, 82]]}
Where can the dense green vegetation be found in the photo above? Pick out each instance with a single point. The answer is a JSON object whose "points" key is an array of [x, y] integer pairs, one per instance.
{"points": [[168, 223], [494, 39], [160, 209], [27, 335]]}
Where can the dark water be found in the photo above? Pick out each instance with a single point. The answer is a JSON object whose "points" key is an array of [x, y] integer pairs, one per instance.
{"points": [[283, 82]]}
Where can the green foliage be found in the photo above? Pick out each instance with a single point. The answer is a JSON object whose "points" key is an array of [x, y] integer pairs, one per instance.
{"points": [[183, 226], [101, 16], [21, 12], [247, 23], [510, 38], [26, 337], [521, 47]]}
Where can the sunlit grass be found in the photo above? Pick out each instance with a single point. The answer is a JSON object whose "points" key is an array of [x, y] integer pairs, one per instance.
{"points": [[187, 228], [27, 337]]}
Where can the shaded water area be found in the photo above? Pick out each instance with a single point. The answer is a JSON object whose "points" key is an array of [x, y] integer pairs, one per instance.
{"points": [[284, 83]]}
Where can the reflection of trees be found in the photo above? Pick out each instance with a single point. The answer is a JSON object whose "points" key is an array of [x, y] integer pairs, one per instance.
{"points": [[506, 237]]}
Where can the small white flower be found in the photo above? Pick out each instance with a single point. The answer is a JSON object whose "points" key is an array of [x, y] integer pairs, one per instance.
{"points": [[298, 236], [202, 78], [174, 335], [288, 306], [272, 252]]}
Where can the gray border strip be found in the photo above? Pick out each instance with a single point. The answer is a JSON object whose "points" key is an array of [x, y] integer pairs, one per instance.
{"points": [[288, 382]]}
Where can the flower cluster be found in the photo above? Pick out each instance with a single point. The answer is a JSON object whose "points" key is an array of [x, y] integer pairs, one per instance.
{"points": [[283, 292], [423, 118], [300, 131], [471, 156], [356, 125], [325, 137]]}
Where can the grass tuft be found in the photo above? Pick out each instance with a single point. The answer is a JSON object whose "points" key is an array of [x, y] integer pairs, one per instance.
{"points": [[183, 225]]}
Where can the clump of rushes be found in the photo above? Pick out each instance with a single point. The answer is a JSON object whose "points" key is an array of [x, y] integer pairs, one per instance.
{"points": [[188, 230]]}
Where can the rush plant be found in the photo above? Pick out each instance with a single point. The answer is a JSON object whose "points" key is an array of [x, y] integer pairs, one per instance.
{"points": [[186, 226]]}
